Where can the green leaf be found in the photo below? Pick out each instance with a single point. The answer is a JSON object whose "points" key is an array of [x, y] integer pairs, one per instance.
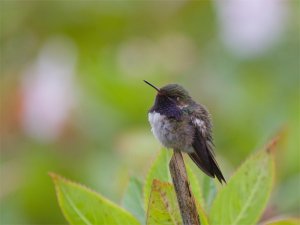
{"points": [[209, 191], [159, 170], [133, 199], [244, 198], [163, 206], [81, 205], [194, 183], [202, 214], [290, 221]]}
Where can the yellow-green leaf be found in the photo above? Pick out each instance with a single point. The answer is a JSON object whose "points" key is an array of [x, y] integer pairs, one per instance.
{"points": [[244, 198], [163, 206], [81, 205], [159, 170], [290, 221]]}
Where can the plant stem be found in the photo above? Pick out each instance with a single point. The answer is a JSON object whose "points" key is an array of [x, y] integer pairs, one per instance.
{"points": [[184, 195]]}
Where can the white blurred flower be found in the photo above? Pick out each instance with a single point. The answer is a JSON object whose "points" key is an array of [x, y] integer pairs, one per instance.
{"points": [[250, 27], [48, 90]]}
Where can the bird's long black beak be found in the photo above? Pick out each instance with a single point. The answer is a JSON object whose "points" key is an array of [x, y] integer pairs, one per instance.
{"points": [[158, 90]]}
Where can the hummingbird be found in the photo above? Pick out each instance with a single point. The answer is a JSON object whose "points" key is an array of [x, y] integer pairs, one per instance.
{"points": [[180, 123]]}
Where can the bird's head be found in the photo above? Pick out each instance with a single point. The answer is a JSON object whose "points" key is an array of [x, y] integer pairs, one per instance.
{"points": [[174, 93]]}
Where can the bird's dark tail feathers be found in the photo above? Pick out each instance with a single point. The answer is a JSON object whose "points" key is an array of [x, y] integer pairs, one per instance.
{"points": [[213, 170], [203, 157]]}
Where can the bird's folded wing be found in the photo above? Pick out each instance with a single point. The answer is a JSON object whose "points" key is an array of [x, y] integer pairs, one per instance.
{"points": [[203, 155]]}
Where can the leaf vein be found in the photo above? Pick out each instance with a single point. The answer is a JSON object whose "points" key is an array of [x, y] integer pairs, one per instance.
{"points": [[85, 220], [249, 199]]}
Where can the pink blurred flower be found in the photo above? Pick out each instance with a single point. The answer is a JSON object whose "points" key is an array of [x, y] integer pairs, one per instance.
{"points": [[48, 90]]}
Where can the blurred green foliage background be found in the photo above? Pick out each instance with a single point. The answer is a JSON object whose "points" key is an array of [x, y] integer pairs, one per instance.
{"points": [[73, 100]]}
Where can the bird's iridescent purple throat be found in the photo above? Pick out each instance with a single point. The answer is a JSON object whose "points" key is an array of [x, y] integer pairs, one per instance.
{"points": [[180, 123]]}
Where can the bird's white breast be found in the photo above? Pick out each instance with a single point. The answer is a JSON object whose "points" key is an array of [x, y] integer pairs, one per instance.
{"points": [[157, 122], [167, 132]]}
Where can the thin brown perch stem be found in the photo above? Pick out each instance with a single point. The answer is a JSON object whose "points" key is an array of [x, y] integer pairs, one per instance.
{"points": [[184, 194]]}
